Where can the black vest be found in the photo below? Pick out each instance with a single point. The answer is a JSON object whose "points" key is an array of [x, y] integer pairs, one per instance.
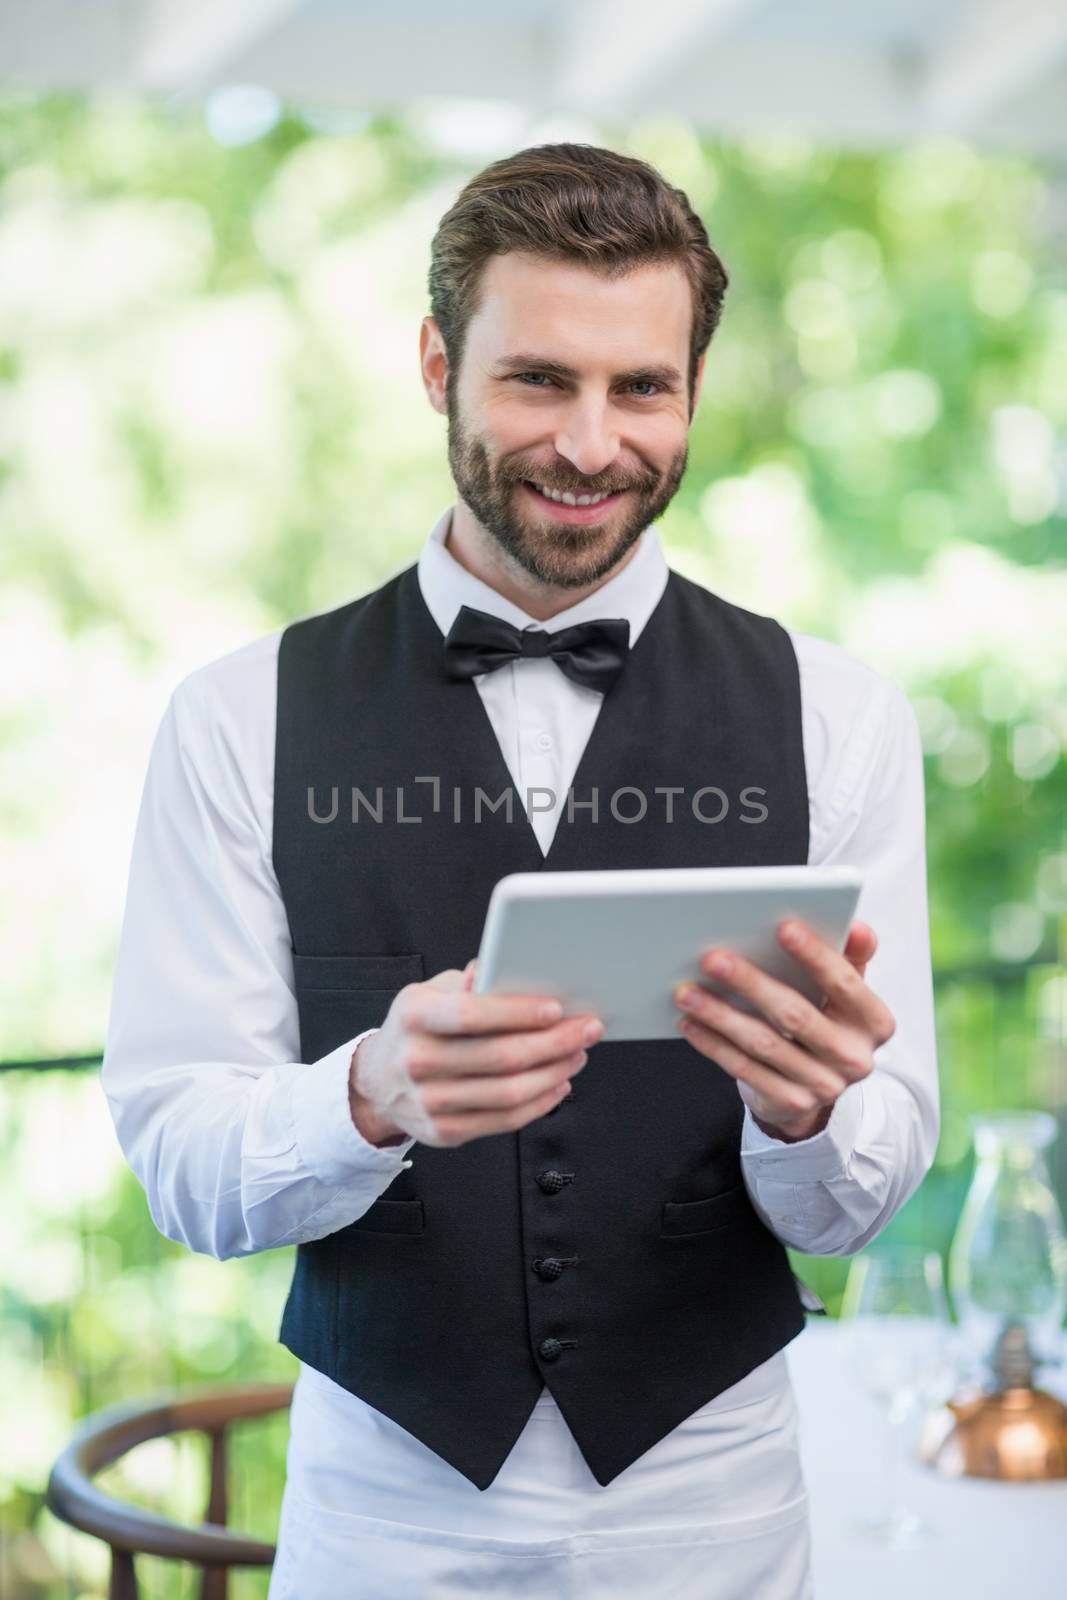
{"points": [[445, 1305]]}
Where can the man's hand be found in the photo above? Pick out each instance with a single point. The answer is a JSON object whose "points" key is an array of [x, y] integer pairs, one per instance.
{"points": [[448, 1065], [791, 1067]]}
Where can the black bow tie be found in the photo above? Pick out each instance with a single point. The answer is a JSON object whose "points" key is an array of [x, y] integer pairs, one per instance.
{"points": [[590, 653]]}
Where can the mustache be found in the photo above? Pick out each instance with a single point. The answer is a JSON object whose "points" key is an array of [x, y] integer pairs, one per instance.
{"points": [[546, 482]]}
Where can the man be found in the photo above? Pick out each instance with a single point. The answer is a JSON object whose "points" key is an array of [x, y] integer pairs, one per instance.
{"points": [[541, 1327]]}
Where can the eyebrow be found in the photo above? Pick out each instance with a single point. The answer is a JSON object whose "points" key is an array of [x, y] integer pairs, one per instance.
{"points": [[665, 374]]}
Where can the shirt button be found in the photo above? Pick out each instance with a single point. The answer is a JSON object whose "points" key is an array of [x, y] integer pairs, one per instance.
{"points": [[542, 741]]}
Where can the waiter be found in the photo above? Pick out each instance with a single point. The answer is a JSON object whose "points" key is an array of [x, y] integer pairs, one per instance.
{"points": [[541, 1293]]}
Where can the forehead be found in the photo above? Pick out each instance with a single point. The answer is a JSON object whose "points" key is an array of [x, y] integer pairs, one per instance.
{"points": [[526, 302]]}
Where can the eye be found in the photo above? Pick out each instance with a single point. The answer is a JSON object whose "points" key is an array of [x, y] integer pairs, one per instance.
{"points": [[638, 383]]}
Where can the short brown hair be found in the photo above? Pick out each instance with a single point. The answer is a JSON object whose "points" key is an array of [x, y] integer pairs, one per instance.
{"points": [[570, 202]]}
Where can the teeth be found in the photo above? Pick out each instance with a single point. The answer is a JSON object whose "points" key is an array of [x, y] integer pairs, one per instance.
{"points": [[570, 499]]}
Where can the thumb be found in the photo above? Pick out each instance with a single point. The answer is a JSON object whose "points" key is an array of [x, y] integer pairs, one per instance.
{"points": [[470, 972], [449, 980]]}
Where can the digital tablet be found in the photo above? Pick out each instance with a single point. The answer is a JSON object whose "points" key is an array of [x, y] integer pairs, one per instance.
{"points": [[618, 942]]}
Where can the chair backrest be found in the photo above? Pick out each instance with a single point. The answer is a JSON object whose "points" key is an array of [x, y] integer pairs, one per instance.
{"points": [[105, 1436]]}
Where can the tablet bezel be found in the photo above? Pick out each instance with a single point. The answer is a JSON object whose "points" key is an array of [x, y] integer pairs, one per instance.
{"points": [[657, 899]]}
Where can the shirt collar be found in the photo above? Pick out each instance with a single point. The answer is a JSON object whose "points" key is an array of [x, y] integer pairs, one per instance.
{"points": [[632, 593]]}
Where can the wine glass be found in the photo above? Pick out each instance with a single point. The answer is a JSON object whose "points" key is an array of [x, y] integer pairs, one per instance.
{"points": [[899, 1342]]}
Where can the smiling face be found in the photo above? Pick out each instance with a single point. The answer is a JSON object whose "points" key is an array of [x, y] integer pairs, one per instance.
{"points": [[573, 383]]}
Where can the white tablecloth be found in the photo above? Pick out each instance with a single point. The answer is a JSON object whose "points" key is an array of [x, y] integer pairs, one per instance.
{"points": [[995, 1539]]}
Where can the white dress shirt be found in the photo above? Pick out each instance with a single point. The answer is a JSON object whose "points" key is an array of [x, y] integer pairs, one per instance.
{"points": [[240, 1147]]}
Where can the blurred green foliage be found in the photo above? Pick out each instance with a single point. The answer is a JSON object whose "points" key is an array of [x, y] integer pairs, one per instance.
{"points": [[211, 421]]}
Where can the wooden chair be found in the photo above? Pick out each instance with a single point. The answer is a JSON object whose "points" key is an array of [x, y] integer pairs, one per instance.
{"points": [[105, 1436]]}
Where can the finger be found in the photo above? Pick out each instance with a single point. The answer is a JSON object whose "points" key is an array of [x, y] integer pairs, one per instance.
{"points": [[784, 1008], [427, 1009], [433, 1055], [764, 1044], [471, 1124], [860, 946], [844, 988], [782, 1096], [470, 972], [447, 1097]]}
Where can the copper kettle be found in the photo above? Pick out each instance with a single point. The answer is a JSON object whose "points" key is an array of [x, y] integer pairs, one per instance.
{"points": [[1011, 1431]]}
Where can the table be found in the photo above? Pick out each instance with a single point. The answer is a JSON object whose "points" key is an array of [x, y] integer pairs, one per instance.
{"points": [[995, 1539]]}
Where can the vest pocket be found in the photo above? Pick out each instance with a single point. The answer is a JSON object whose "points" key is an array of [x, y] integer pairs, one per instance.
{"points": [[705, 1216], [357, 972], [340, 996]]}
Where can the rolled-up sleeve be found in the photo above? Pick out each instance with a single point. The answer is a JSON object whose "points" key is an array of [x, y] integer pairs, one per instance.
{"points": [[239, 1146], [833, 1193]]}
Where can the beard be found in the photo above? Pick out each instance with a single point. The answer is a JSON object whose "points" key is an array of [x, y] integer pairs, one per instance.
{"points": [[557, 554]]}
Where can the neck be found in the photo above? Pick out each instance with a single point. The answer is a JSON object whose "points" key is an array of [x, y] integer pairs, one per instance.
{"points": [[467, 541]]}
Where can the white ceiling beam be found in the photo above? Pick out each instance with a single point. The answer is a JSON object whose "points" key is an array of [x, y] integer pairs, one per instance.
{"points": [[609, 52], [830, 93], [991, 57], [190, 42]]}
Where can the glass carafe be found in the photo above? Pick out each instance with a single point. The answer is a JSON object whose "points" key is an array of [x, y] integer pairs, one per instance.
{"points": [[1008, 1261]]}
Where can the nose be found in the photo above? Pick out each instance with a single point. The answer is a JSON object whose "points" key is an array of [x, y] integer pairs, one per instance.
{"points": [[587, 437]]}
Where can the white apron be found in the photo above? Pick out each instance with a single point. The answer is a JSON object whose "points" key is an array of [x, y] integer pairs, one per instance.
{"points": [[717, 1510]]}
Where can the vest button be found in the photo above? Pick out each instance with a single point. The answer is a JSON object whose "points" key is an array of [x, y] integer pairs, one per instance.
{"points": [[548, 1267], [550, 1182], [549, 1349]]}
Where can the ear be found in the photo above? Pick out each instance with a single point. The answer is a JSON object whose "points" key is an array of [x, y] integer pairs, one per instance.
{"points": [[697, 382], [434, 364]]}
